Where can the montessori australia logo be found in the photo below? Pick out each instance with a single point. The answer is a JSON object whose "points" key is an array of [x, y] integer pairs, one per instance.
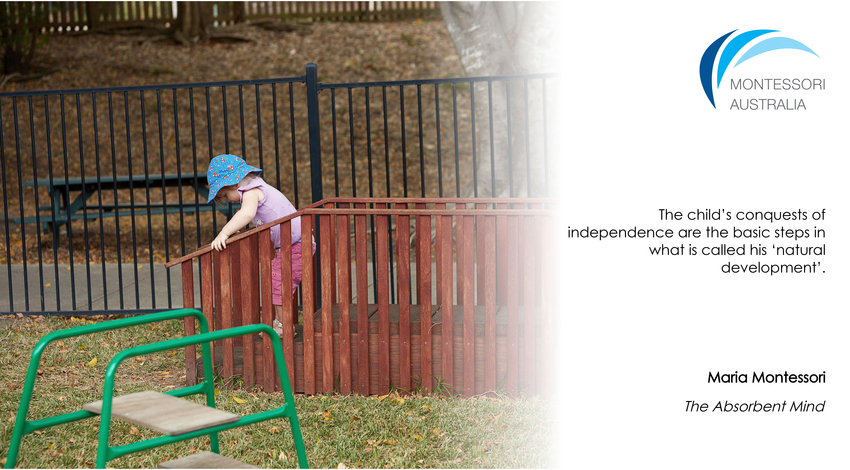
{"points": [[755, 44]]}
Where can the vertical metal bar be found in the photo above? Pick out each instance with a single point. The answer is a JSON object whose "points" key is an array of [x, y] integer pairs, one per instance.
{"points": [[474, 157], [457, 156], [492, 150], [313, 128], [21, 202], [85, 197], [132, 197], [259, 125], [389, 193], [292, 139], [148, 196], [162, 172], [510, 151], [439, 150], [527, 147], [53, 209], [37, 211], [351, 140], [371, 193], [403, 140], [226, 140], [100, 200], [115, 198], [421, 145], [545, 146], [67, 207], [179, 171], [242, 121], [6, 211], [195, 165], [336, 158], [276, 147], [210, 149]]}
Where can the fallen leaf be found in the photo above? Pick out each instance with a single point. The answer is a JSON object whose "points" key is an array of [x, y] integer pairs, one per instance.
{"points": [[399, 400], [282, 456], [39, 431], [47, 285], [417, 437], [274, 430], [341, 465], [134, 431], [92, 363], [238, 400], [355, 417]]}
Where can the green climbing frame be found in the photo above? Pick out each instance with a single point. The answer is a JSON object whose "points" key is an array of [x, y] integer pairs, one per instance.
{"points": [[105, 453]]}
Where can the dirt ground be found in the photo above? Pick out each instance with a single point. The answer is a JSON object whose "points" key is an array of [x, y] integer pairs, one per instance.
{"points": [[344, 52]]}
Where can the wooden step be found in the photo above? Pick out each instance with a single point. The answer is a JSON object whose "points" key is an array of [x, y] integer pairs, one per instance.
{"points": [[204, 460], [164, 413]]}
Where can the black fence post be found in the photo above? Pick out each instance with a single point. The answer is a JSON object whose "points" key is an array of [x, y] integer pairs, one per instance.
{"points": [[315, 160]]}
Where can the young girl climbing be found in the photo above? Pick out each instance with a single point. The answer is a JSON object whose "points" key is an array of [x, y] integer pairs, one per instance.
{"points": [[231, 179]]}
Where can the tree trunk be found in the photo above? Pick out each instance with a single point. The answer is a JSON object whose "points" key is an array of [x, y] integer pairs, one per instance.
{"points": [[191, 24], [505, 38], [93, 15]]}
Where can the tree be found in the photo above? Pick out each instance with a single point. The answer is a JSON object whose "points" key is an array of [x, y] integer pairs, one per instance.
{"points": [[505, 38], [19, 32]]}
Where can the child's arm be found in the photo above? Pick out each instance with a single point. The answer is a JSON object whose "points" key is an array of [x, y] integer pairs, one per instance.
{"points": [[250, 200]]}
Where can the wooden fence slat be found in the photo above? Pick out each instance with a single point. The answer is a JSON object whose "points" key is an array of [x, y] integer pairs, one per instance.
{"points": [[479, 255], [512, 279], [216, 325], [423, 266], [362, 303], [327, 303], [537, 252], [446, 287], [189, 322], [383, 270], [248, 313], [501, 256], [548, 369], [238, 306], [289, 307], [438, 251], [332, 252], [344, 273], [528, 305], [418, 255], [403, 262], [490, 378], [308, 304], [226, 312], [466, 225], [205, 262], [459, 249]]}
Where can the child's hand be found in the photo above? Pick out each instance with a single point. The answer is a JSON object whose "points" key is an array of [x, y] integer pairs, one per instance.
{"points": [[219, 242]]}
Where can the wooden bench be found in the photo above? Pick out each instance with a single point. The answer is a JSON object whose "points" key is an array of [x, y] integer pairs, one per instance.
{"points": [[63, 209]]}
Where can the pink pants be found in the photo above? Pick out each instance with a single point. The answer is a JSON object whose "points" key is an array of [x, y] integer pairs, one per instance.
{"points": [[277, 298]]}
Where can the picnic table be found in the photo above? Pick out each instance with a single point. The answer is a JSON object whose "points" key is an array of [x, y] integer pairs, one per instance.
{"points": [[60, 191]]}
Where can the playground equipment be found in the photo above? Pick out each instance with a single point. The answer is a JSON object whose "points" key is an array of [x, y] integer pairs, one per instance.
{"points": [[163, 412], [490, 330]]}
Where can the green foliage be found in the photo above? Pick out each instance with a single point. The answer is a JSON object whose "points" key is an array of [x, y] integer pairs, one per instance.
{"points": [[20, 31]]}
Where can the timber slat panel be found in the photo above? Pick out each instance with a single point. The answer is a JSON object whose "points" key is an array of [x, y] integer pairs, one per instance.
{"points": [[237, 305], [528, 304], [226, 309], [459, 262], [547, 359], [204, 459], [327, 299], [479, 253], [164, 413], [382, 268], [403, 260], [344, 273], [501, 256], [248, 313], [266, 255], [490, 303], [362, 296], [308, 303], [423, 251], [289, 307], [206, 269], [445, 275], [438, 251], [512, 380], [216, 325], [189, 322], [255, 283], [466, 225]]}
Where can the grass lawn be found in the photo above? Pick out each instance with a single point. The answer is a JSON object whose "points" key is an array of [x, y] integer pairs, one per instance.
{"points": [[339, 431]]}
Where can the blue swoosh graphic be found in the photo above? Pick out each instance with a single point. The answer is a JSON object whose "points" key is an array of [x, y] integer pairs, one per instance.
{"points": [[773, 44], [706, 64], [734, 46]]}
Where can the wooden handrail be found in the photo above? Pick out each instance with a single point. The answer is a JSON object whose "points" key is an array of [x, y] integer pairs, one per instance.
{"points": [[316, 209]]}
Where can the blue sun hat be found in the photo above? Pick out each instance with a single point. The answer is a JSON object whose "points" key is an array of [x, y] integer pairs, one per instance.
{"points": [[226, 170]]}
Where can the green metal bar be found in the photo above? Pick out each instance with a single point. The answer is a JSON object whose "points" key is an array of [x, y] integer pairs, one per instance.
{"points": [[23, 427], [106, 453]]}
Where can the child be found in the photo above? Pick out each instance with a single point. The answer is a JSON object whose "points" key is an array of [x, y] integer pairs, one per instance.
{"points": [[231, 179]]}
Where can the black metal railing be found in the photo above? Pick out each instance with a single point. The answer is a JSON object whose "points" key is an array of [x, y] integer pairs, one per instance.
{"points": [[143, 152]]}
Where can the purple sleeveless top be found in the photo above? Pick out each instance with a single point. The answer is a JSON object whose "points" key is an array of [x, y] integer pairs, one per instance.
{"points": [[273, 206]]}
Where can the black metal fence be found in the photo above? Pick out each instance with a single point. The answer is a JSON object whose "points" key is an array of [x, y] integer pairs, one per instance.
{"points": [[102, 186]]}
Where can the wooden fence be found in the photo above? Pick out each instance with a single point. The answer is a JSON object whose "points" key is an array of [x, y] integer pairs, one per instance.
{"points": [[484, 325], [79, 16]]}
